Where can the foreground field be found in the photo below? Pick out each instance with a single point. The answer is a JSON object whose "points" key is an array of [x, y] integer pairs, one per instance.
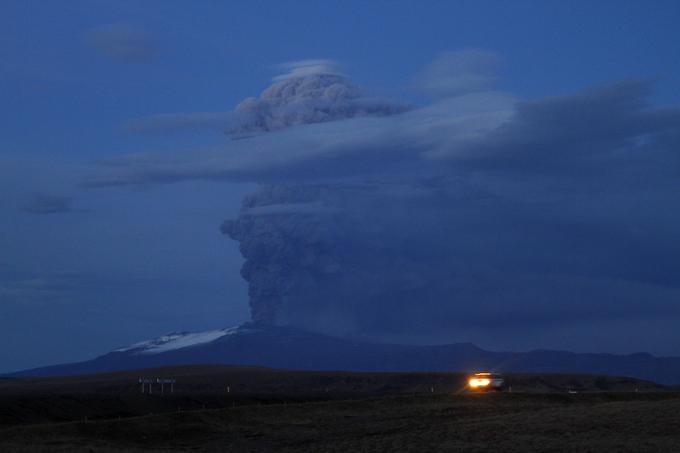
{"points": [[508, 423], [311, 412]]}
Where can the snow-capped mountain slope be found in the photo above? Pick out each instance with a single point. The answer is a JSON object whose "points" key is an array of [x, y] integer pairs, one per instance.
{"points": [[177, 340], [281, 347]]}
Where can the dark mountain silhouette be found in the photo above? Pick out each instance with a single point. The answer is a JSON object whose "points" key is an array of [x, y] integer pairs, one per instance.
{"points": [[279, 347]]}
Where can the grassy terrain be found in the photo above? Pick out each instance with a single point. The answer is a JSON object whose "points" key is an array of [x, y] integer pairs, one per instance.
{"points": [[270, 410]]}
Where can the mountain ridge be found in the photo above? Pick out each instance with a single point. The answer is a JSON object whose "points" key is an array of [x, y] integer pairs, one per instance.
{"points": [[284, 347]]}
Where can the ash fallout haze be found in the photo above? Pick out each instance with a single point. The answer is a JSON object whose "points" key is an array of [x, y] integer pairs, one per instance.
{"points": [[500, 173]]}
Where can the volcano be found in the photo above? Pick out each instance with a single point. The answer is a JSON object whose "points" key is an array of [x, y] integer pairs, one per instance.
{"points": [[289, 348]]}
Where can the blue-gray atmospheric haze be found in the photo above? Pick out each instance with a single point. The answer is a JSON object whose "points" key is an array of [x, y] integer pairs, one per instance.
{"points": [[510, 171]]}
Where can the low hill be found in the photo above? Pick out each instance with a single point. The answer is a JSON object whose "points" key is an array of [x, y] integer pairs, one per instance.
{"points": [[118, 394], [253, 409], [207, 379]]}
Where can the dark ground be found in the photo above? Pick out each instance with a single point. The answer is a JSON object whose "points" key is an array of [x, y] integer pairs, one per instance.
{"points": [[273, 410]]}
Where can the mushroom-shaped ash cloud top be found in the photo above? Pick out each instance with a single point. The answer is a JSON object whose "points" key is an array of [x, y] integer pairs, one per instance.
{"points": [[311, 91]]}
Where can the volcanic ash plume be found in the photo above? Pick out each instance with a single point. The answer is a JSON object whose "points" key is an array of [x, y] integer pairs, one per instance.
{"points": [[312, 92], [336, 258], [304, 242], [471, 214]]}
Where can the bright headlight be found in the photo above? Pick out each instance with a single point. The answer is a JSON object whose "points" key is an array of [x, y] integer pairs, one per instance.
{"points": [[479, 382]]}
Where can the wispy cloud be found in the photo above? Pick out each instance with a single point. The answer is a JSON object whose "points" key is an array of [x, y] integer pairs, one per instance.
{"points": [[123, 42], [179, 122], [41, 288], [41, 203], [306, 68], [460, 72]]}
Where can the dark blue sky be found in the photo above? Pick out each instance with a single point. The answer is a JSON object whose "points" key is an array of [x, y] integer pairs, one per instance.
{"points": [[85, 270]]}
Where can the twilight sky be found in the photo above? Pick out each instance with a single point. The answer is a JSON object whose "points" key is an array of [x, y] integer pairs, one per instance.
{"points": [[116, 172]]}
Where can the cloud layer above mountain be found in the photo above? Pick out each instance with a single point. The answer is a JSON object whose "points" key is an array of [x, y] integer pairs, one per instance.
{"points": [[321, 127]]}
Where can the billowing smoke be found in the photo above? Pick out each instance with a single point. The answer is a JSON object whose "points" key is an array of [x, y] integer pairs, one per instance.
{"points": [[311, 92], [424, 258], [474, 244], [341, 257], [476, 215]]}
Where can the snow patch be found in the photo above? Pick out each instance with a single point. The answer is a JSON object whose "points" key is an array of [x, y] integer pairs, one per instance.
{"points": [[177, 340]]}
